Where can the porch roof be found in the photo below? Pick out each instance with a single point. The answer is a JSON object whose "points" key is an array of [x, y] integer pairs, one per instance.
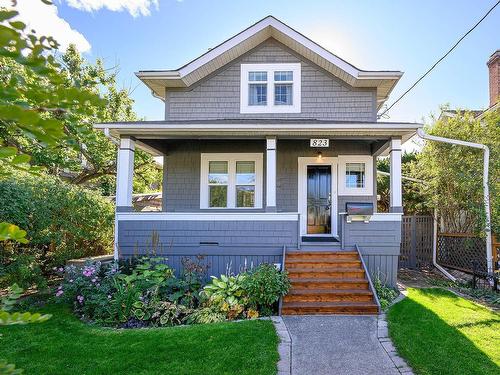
{"points": [[257, 129]]}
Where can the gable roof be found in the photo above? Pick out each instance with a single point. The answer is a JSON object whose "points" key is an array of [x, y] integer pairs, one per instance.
{"points": [[269, 27]]}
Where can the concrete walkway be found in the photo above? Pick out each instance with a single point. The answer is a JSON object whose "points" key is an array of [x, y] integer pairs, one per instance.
{"points": [[337, 345]]}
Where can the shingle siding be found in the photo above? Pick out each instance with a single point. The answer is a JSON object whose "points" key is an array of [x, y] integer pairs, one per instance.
{"points": [[182, 169], [324, 97]]}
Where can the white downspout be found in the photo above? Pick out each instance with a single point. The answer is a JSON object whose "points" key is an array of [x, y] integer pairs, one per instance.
{"points": [[486, 190]]}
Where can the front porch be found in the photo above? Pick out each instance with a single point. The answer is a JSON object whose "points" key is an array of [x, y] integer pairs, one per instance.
{"points": [[243, 196]]}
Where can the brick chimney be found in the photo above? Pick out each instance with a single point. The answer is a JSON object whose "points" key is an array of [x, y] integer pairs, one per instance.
{"points": [[494, 69]]}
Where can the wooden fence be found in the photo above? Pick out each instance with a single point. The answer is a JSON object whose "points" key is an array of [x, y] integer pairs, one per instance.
{"points": [[416, 242]]}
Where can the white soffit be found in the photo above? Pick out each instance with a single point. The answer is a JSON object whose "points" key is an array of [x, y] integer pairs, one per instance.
{"points": [[251, 37]]}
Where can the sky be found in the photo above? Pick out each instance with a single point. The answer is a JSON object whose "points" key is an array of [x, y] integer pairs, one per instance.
{"points": [[372, 35]]}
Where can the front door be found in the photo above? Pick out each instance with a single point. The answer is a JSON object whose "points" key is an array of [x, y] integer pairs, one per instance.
{"points": [[319, 199]]}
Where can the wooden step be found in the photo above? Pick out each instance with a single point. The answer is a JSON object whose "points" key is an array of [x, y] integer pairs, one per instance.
{"points": [[328, 283], [324, 255], [321, 263], [325, 295], [333, 272], [315, 308]]}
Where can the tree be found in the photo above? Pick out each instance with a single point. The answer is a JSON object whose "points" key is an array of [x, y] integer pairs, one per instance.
{"points": [[413, 201], [35, 101], [455, 173], [92, 159]]}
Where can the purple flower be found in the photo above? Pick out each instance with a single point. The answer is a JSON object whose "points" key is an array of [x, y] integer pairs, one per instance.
{"points": [[94, 280], [59, 293], [61, 269], [80, 299], [88, 271], [59, 287]]}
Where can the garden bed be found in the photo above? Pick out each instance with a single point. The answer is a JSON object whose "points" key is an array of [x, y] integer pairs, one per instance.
{"points": [[65, 345], [440, 333]]}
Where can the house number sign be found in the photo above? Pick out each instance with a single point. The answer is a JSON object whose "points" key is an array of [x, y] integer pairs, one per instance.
{"points": [[319, 143]]}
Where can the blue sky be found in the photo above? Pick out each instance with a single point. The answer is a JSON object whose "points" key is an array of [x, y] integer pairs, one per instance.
{"points": [[373, 35]]}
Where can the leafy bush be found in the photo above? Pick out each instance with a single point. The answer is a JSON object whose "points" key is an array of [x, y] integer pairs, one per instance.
{"points": [[264, 286], [24, 270], [145, 293], [385, 294], [63, 221]]}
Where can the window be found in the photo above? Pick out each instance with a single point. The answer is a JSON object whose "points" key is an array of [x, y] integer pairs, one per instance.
{"points": [[283, 90], [231, 181], [257, 92], [217, 183], [270, 88], [355, 175]]}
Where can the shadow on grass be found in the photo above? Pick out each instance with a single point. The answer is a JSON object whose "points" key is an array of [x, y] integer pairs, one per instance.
{"points": [[433, 346]]}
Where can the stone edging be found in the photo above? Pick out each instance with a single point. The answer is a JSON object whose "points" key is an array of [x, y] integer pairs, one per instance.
{"points": [[284, 347], [386, 342]]}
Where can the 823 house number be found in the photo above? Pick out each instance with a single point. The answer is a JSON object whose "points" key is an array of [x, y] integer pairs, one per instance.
{"points": [[320, 143]]}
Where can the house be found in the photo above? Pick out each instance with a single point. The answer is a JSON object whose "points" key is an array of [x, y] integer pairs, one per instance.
{"points": [[267, 138], [493, 65]]}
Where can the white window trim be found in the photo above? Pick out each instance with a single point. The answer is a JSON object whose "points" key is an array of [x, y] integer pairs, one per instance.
{"points": [[368, 161], [270, 107], [303, 162], [231, 186]]}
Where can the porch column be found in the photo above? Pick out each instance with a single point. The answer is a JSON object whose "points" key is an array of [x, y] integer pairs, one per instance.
{"points": [[396, 199], [125, 174], [271, 174]]}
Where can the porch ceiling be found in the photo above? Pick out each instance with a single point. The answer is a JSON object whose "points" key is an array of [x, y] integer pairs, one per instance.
{"points": [[257, 129]]}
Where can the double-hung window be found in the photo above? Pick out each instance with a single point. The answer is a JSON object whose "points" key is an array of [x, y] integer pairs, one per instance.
{"points": [[270, 88], [231, 180]]}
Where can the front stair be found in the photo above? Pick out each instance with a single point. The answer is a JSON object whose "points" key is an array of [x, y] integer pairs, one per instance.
{"points": [[327, 282]]}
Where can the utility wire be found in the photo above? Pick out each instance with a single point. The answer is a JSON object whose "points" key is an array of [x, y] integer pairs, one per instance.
{"points": [[441, 59]]}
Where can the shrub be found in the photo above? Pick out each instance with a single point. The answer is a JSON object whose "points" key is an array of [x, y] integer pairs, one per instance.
{"points": [[63, 221], [385, 294], [264, 286], [204, 315]]}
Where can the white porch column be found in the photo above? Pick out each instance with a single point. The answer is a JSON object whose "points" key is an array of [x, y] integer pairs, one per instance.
{"points": [[396, 191], [125, 174], [271, 174]]}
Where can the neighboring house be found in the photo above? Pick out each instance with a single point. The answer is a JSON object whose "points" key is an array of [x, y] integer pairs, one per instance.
{"points": [[266, 138], [494, 84]]}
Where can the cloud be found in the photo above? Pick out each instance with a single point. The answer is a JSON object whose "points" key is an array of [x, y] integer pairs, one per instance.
{"points": [[45, 20], [134, 7]]}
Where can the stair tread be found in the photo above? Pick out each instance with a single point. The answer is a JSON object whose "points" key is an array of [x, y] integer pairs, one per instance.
{"points": [[329, 291], [327, 280], [327, 269], [322, 252], [321, 260], [329, 304]]}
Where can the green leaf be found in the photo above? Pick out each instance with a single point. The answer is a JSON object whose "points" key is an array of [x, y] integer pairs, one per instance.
{"points": [[21, 159], [18, 25], [6, 152], [6, 15]]}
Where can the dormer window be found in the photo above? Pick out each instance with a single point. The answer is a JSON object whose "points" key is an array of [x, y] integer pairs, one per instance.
{"points": [[270, 88]]}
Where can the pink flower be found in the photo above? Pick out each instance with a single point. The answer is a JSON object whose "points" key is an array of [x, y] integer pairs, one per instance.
{"points": [[59, 293], [88, 271], [61, 269], [80, 299], [94, 280]]}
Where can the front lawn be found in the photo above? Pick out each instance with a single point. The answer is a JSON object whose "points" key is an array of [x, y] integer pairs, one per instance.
{"points": [[440, 333], [65, 345]]}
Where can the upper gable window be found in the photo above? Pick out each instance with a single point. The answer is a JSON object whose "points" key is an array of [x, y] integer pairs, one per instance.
{"points": [[270, 88]]}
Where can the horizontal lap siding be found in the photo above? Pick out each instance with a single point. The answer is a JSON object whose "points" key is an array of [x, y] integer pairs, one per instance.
{"points": [[240, 244], [323, 95], [379, 243]]}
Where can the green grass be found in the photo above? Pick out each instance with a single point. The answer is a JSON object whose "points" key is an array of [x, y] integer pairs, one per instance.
{"points": [[440, 333], [65, 345]]}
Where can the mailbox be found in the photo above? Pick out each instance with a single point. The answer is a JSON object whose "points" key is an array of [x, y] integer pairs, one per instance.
{"points": [[361, 211]]}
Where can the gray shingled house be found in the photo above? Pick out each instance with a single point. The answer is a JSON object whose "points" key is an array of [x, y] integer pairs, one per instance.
{"points": [[270, 145]]}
